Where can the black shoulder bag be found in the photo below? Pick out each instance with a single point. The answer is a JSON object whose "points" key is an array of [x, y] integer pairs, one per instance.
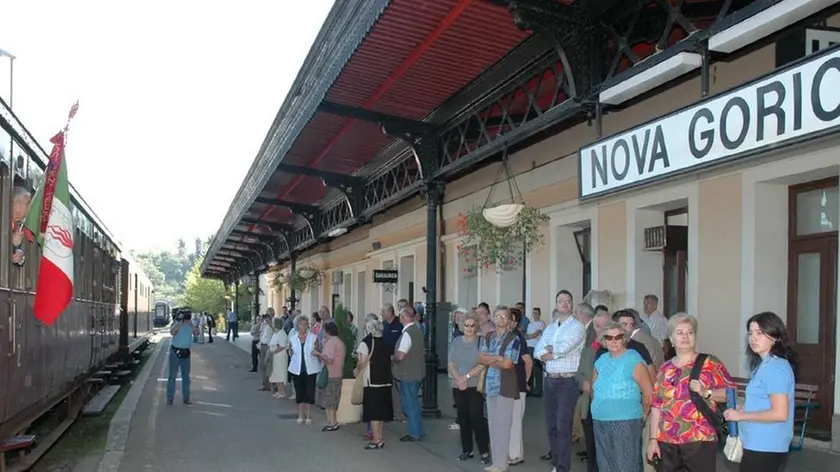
{"points": [[713, 415], [181, 353]]}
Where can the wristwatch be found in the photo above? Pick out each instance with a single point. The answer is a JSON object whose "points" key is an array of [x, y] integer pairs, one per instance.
{"points": [[708, 394], [468, 375]]}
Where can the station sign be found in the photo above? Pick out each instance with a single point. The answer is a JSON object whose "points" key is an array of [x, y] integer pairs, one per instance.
{"points": [[385, 276], [791, 104]]}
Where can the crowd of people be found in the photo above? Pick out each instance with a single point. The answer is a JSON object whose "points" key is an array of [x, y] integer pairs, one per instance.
{"points": [[631, 385], [644, 397]]}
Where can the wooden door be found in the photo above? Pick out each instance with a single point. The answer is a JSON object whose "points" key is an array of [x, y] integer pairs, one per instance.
{"points": [[812, 288]]}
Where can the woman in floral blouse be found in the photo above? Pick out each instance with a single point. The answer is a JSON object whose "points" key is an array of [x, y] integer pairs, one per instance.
{"points": [[680, 435]]}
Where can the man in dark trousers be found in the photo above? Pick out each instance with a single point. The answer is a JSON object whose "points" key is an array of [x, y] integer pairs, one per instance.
{"points": [[211, 325], [255, 343]]}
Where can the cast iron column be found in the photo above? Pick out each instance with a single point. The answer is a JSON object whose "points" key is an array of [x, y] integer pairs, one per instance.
{"points": [[292, 268], [434, 196], [236, 299], [256, 296]]}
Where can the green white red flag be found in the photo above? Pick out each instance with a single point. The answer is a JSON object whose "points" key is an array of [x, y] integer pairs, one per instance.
{"points": [[51, 222]]}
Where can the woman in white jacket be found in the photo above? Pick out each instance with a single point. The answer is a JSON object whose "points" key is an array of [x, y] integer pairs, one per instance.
{"points": [[304, 368]]}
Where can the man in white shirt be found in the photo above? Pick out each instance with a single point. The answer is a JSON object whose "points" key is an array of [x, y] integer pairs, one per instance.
{"points": [[654, 319], [559, 348]]}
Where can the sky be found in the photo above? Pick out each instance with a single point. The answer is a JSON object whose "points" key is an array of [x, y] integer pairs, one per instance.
{"points": [[175, 99]]}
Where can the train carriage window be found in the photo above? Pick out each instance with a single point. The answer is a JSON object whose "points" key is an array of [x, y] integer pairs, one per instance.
{"points": [[30, 266], [96, 274], [77, 262], [5, 153], [89, 270], [5, 216]]}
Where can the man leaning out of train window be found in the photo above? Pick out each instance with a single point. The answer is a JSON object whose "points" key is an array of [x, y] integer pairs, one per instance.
{"points": [[20, 207]]}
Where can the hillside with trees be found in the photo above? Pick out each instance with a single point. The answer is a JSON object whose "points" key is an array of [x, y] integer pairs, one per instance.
{"points": [[176, 279]]}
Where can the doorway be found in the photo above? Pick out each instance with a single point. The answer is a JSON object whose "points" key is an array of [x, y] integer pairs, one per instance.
{"points": [[812, 288], [675, 262]]}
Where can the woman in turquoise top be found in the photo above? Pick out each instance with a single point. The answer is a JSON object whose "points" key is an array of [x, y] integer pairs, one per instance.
{"points": [[621, 393], [765, 422]]}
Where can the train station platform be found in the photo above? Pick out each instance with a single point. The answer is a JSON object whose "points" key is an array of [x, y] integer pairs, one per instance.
{"points": [[232, 426]]}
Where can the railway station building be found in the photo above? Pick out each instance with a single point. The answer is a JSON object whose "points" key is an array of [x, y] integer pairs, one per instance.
{"points": [[683, 149]]}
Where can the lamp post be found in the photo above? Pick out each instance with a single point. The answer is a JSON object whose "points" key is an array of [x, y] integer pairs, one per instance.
{"points": [[4, 53]]}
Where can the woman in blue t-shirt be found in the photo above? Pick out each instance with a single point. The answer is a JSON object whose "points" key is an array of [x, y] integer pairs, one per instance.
{"points": [[621, 394], [765, 422]]}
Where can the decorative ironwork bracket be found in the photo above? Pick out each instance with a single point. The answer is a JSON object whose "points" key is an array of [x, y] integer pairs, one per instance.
{"points": [[425, 146], [282, 230], [580, 42], [309, 213], [351, 186]]}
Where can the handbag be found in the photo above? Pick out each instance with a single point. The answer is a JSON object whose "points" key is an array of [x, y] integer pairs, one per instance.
{"points": [[357, 396], [323, 378], [181, 353]]}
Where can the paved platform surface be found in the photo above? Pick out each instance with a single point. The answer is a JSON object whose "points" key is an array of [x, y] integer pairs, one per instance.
{"points": [[232, 426]]}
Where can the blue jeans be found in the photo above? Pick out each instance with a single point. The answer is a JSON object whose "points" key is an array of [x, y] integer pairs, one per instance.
{"points": [[174, 364], [409, 396]]}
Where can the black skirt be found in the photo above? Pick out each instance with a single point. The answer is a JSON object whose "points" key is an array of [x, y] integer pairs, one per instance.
{"points": [[377, 404]]}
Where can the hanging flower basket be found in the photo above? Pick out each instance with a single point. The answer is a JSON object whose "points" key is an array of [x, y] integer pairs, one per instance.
{"points": [[503, 216], [280, 280], [501, 247], [305, 278]]}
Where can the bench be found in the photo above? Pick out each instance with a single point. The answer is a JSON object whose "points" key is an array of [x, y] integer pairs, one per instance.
{"points": [[17, 443], [103, 373], [98, 403], [805, 396]]}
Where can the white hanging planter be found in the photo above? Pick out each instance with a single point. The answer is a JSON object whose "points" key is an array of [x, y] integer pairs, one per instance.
{"points": [[503, 216], [307, 273], [283, 278]]}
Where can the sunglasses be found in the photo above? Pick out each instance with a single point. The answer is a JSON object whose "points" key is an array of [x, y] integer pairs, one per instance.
{"points": [[471, 325], [617, 337]]}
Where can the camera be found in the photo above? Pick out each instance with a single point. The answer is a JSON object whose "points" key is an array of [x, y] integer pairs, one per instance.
{"points": [[182, 314]]}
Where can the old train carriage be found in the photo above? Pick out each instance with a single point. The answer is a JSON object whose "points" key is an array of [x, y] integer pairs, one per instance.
{"points": [[41, 366]]}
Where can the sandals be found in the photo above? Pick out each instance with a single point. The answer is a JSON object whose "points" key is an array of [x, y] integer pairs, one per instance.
{"points": [[372, 445], [330, 428]]}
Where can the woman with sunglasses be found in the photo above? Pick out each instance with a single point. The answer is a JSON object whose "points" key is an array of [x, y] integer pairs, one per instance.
{"points": [[465, 372], [621, 392]]}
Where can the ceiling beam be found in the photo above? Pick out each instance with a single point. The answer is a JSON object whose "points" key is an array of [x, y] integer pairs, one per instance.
{"points": [[372, 116], [248, 234]]}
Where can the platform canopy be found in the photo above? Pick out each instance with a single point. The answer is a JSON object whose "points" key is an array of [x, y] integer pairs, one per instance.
{"points": [[396, 94]]}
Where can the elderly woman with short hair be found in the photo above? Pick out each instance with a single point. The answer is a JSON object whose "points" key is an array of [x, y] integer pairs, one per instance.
{"points": [[621, 391], [465, 372], [304, 367], [680, 435], [375, 364]]}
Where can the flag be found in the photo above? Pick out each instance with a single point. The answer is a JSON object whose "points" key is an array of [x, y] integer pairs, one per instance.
{"points": [[51, 223]]}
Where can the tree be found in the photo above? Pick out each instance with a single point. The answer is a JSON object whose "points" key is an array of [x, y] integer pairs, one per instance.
{"points": [[202, 294]]}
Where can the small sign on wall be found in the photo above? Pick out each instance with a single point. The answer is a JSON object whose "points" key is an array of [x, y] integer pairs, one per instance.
{"points": [[817, 39], [802, 42], [385, 276]]}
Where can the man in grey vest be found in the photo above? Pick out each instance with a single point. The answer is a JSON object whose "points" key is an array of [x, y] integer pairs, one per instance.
{"points": [[409, 369]]}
